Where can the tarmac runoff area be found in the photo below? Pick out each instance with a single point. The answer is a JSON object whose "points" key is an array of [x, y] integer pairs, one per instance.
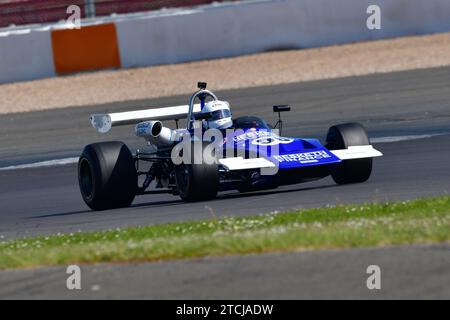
{"points": [[264, 69]]}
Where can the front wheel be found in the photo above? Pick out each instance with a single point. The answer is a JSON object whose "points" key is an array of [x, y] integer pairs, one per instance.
{"points": [[349, 135], [107, 176], [198, 180]]}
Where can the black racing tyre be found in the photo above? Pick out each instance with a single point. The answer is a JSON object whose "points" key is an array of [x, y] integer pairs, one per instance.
{"points": [[107, 176], [198, 182], [348, 135]]}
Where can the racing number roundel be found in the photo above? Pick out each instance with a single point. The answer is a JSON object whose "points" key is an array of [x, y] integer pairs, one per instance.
{"points": [[271, 141]]}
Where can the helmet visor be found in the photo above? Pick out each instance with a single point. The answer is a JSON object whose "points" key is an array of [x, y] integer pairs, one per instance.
{"points": [[220, 114]]}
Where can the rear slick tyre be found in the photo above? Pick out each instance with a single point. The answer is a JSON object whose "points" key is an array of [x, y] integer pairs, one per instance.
{"points": [[107, 176]]}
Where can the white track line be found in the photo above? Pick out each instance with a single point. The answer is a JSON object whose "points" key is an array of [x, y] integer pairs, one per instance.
{"points": [[51, 163], [66, 161], [404, 138]]}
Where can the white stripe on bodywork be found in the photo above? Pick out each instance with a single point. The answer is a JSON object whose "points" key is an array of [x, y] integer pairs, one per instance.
{"points": [[240, 163], [66, 161], [357, 152], [231, 164]]}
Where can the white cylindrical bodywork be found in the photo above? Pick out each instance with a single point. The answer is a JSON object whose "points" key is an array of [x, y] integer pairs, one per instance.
{"points": [[155, 133]]}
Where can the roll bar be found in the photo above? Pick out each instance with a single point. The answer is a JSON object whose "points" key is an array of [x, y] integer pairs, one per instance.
{"points": [[201, 94]]}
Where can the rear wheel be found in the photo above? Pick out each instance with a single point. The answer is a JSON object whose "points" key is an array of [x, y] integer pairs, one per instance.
{"points": [[198, 182], [349, 135], [107, 176]]}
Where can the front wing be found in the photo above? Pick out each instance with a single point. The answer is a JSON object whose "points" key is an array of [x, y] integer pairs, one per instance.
{"points": [[352, 153]]}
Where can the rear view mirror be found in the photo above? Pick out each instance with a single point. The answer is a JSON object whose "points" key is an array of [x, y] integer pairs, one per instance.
{"points": [[281, 108], [202, 85]]}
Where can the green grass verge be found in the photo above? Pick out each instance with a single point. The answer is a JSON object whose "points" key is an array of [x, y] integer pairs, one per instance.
{"points": [[419, 221]]}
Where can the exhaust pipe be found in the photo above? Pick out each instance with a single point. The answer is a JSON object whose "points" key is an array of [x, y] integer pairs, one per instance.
{"points": [[155, 133]]}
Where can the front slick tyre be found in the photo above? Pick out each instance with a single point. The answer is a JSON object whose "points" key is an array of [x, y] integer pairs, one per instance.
{"points": [[198, 181], [349, 135], [107, 176]]}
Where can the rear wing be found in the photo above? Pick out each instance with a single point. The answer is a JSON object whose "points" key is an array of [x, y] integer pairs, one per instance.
{"points": [[104, 122]]}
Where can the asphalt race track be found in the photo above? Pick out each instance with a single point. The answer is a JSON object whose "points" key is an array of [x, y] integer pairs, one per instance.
{"points": [[415, 103], [417, 272], [47, 200]]}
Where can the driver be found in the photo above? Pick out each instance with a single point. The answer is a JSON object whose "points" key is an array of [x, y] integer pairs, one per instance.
{"points": [[219, 115]]}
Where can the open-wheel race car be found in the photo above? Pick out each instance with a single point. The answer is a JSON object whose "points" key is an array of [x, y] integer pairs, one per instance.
{"points": [[213, 152]]}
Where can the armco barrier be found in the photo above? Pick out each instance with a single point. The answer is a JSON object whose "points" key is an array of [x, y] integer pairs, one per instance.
{"points": [[236, 29], [90, 48], [214, 31], [26, 56], [20, 12]]}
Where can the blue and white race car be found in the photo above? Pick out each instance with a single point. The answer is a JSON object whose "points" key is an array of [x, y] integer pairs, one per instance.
{"points": [[213, 152]]}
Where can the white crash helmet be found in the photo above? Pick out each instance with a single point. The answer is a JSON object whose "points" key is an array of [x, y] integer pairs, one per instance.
{"points": [[219, 115]]}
